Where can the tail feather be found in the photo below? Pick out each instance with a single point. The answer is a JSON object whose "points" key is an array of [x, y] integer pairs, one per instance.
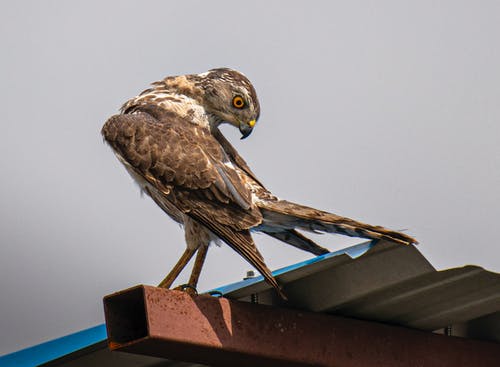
{"points": [[287, 215], [297, 239]]}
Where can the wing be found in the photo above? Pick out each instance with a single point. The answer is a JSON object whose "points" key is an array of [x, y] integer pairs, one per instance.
{"points": [[190, 168], [234, 155], [185, 163], [289, 236]]}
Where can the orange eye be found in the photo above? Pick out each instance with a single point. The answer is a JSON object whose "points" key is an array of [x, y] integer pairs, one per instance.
{"points": [[238, 102]]}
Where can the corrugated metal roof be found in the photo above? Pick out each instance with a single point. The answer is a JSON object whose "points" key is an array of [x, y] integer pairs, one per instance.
{"points": [[381, 282], [390, 283]]}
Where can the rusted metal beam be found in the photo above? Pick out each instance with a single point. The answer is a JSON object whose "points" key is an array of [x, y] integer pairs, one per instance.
{"points": [[221, 332]]}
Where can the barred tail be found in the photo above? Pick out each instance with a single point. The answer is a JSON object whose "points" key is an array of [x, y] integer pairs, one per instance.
{"points": [[286, 215]]}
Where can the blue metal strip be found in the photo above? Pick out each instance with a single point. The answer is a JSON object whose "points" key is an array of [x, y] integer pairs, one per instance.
{"points": [[353, 252], [57, 348]]}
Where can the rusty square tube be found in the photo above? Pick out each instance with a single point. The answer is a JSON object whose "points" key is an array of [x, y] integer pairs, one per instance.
{"points": [[222, 332]]}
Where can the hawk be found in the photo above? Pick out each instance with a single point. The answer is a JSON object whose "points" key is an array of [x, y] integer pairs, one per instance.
{"points": [[169, 141]]}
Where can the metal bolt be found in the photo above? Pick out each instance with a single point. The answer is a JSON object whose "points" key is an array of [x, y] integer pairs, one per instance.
{"points": [[250, 275], [254, 298], [447, 330]]}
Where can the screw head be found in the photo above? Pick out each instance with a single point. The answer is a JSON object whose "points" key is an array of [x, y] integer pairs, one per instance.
{"points": [[250, 274]]}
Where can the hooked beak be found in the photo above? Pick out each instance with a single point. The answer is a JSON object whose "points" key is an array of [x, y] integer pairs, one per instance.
{"points": [[246, 129]]}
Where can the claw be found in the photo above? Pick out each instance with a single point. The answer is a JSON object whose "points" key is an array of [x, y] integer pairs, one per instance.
{"points": [[188, 288]]}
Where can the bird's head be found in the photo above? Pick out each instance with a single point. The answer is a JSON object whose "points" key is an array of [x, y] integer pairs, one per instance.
{"points": [[230, 97]]}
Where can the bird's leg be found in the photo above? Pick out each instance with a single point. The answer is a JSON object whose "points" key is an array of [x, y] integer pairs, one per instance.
{"points": [[174, 273], [190, 287], [198, 264]]}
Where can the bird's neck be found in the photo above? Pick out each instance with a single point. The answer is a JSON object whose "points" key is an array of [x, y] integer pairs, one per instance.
{"points": [[184, 85], [190, 87]]}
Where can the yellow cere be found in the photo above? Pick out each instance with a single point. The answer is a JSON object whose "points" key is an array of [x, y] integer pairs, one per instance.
{"points": [[251, 123]]}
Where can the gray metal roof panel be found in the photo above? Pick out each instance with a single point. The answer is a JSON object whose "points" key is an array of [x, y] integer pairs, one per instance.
{"points": [[382, 282]]}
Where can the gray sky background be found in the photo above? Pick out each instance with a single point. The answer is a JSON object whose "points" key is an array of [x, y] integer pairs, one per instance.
{"points": [[384, 111]]}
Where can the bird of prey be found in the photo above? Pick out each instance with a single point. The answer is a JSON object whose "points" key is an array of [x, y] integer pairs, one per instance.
{"points": [[169, 141]]}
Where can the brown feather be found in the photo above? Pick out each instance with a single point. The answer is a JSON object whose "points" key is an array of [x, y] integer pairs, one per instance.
{"points": [[234, 155], [295, 215], [243, 244], [169, 151], [297, 239], [153, 150]]}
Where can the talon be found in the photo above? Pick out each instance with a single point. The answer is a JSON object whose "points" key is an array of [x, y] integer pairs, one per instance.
{"points": [[188, 288]]}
